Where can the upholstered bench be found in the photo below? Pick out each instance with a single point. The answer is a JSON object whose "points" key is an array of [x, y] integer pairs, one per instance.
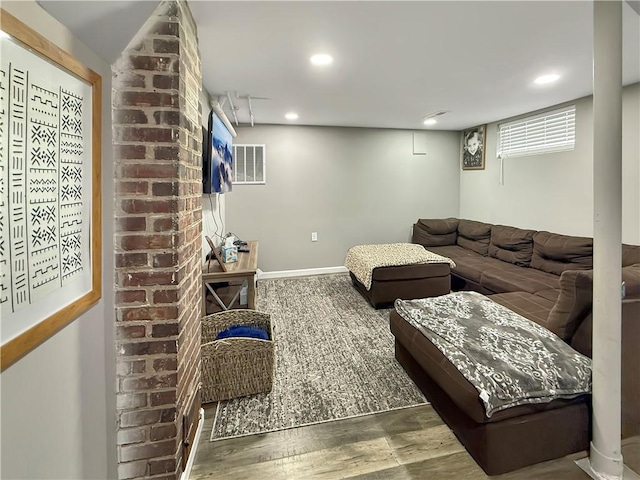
{"points": [[511, 436], [384, 273]]}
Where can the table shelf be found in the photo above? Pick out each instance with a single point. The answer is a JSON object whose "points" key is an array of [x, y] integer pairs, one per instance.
{"points": [[241, 272]]}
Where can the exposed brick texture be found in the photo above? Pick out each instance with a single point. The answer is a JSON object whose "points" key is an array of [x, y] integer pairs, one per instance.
{"points": [[131, 296], [157, 135], [162, 432], [165, 364]]}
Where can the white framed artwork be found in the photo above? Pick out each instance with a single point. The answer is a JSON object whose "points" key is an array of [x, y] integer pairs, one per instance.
{"points": [[50, 225]]}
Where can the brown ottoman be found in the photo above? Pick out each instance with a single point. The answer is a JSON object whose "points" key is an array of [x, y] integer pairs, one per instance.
{"points": [[512, 438], [405, 282], [385, 272]]}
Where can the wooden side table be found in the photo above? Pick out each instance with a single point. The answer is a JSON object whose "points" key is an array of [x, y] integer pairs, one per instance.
{"points": [[243, 270]]}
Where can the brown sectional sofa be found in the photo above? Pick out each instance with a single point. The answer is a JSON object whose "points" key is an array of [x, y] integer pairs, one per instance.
{"points": [[547, 278]]}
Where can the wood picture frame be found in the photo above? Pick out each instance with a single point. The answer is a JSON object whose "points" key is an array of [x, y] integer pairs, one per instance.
{"points": [[51, 260], [216, 254], [473, 148]]}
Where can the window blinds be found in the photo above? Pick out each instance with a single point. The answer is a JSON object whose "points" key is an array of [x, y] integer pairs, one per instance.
{"points": [[549, 132]]}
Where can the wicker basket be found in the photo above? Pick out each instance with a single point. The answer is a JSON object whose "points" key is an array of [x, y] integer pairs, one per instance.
{"points": [[235, 367]]}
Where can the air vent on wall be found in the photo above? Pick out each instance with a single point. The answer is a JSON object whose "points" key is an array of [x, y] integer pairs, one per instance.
{"points": [[249, 164]]}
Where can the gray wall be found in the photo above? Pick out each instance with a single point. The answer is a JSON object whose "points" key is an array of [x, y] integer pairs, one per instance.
{"points": [[555, 191], [351, 185], [58, 402]]}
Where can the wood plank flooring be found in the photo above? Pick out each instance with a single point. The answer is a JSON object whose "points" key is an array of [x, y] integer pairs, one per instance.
{"points": [[412, 443]]}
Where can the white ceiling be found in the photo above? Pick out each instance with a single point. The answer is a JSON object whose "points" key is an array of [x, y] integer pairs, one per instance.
{"points": [[394, 62]]}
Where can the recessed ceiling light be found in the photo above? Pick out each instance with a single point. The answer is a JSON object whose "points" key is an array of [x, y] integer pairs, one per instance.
{"points": [[321, 59], [430, 121], [291, 116], [547, 79]]}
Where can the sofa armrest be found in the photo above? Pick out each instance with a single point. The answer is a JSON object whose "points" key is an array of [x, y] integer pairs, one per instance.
{"points": [[581, 341], [573, 304], [631, 279], [575, 301]]}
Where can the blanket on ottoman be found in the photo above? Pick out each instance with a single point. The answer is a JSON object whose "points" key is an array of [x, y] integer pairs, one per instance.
{"points": [[509, 359], [362, 259]]}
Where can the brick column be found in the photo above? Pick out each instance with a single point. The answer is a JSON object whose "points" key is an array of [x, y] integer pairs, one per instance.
{"points": [[157, 135]]}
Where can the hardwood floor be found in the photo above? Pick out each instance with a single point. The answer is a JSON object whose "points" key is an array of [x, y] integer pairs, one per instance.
{"points": [[412, 443]]}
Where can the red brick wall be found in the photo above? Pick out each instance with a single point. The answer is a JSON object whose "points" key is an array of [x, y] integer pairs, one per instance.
{"points": [[157, 133]]}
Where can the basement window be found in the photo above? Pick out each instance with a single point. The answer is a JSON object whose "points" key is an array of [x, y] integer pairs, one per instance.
{"points": [[553, 131], [249, 164]]}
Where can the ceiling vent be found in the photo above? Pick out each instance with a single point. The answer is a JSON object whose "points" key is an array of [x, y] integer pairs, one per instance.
{"points": [[436, 114]]}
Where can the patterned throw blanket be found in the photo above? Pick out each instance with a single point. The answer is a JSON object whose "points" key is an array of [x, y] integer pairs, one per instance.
{"points": [[509, 359], [362, 259]]}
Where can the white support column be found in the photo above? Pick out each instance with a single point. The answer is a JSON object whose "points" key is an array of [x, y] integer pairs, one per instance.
{"points": [[606, 458]]}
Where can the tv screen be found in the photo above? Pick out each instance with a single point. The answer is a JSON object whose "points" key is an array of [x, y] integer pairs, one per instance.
{"points": [[218, 174], [206, 161]]}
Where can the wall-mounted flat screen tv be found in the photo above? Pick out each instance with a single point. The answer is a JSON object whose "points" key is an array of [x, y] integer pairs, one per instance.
{"points": [[217, 157]]}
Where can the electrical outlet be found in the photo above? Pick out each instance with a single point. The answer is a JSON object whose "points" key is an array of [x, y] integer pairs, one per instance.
{"points": [[314, 236]]}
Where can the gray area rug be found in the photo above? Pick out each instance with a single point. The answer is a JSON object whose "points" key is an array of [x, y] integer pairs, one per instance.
{"points": [[334, 360]]}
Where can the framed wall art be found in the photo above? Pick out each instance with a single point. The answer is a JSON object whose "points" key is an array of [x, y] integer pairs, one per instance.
{"points": [[216, 255], [50, 196], [473, 147]]}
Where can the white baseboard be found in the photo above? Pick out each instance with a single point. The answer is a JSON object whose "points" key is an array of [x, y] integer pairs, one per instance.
{"points": [[305, 272], [192, 453]]}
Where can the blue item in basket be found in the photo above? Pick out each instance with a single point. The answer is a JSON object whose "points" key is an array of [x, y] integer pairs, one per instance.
{"points": [[243, 331]]}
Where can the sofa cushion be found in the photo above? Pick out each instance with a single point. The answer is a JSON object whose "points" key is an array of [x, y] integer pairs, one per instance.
{"points": [[507, 277], [435, 232], [528, 305], [439, 226], [631, 279], [630, 255], [474, 236], [454, 252], [556, 253], [466, 261], [471, 268], [511, 244], [551, 294]]}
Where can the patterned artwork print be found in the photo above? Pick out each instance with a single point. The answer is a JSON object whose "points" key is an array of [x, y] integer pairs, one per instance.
{"points": [[71, 151], [42, 148], [43, 137], [5, 271], [17, 187]]}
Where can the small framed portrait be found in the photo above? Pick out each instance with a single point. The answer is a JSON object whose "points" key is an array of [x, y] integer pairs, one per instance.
{"points": [[473, 146]]}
